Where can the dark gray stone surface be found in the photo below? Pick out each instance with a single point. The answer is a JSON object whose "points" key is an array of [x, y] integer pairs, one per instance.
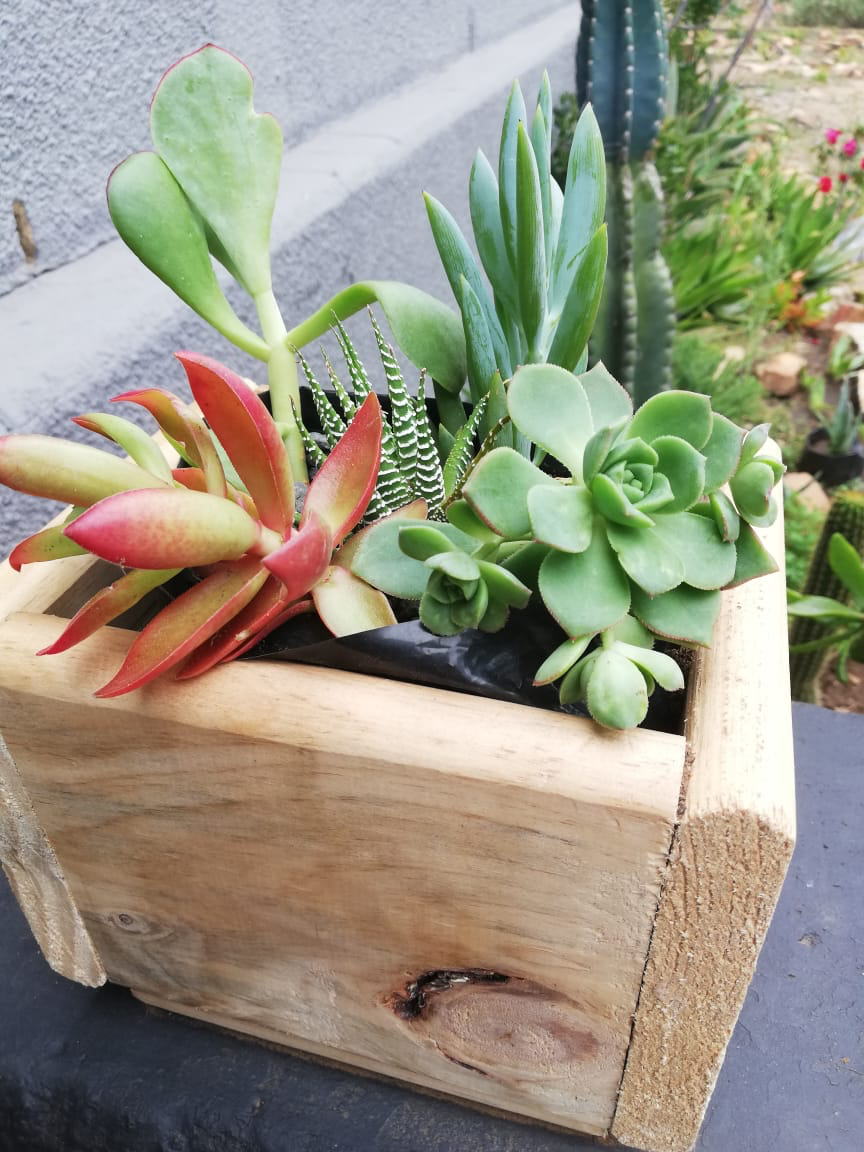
{"points": [[94, 1071]]}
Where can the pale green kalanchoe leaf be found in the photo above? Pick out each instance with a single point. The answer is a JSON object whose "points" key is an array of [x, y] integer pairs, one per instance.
{"points": [[225, 156]]}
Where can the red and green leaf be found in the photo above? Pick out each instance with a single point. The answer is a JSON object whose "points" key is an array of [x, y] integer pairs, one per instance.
{"points": [[107, 605], [186, 623], [340, 492], [303, 558], [65, 470], [249, 436], [165, 528]]}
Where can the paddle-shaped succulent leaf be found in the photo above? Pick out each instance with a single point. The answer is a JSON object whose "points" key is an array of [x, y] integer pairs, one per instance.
{"points": [[207, 191]]}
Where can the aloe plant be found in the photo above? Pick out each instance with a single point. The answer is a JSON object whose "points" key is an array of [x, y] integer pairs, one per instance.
{"points": [[207, 191], [543, 252], [261, 563], [633, 544]]}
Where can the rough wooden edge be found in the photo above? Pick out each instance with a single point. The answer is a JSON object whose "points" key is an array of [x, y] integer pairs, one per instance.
{"points": [[728, 861], [39, 886]]}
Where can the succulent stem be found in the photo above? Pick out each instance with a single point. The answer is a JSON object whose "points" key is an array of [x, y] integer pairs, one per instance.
{"points": [[282, 378]]}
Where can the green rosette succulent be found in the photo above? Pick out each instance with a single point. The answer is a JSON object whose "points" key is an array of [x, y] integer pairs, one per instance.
{"points": [[654, 514]]}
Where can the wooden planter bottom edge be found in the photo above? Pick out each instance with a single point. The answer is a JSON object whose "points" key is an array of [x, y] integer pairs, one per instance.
{"points": [[509, 906]]}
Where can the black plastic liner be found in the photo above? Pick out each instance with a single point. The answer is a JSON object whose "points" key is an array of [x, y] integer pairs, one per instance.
{"points": [[498, 665]]}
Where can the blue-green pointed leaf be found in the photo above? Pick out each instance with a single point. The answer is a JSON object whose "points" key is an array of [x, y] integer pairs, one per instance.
{"points": [[562, 517], [488, 236], [685, 614], [458, 261], [581, 304], [498, 490], [585, 591], [530, 242], [646, 557], [482, 365], [686, 415], [540, 144], [513, 116], [550, 407], [155, 219], [224, 155], [823, 608], [584, 203], [427, 331]]}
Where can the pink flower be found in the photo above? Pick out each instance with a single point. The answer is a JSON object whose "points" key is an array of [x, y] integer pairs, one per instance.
{"points": [[832, 135], [843, 177], [825, 184], [851, 146]]}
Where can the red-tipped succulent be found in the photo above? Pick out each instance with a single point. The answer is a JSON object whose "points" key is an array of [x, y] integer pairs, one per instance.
{"points": [[257, 567]]}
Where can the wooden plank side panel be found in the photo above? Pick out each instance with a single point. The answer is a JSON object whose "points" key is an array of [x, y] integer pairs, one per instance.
{"points": [[452, 891], [40, 888], [726, 870]]}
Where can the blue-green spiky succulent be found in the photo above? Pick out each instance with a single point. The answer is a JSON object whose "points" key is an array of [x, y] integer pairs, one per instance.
{"points": [[542, 250], [633, 543]]}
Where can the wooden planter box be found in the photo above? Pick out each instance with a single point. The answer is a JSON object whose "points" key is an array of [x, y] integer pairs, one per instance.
{"points": [[507, 905]]}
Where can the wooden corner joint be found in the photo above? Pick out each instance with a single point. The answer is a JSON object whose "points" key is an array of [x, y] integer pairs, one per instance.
{"points": [[724, 877], [35, 876]]}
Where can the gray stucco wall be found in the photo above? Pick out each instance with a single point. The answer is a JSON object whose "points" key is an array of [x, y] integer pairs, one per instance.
{"points": [[77, 78], [366, 130]]}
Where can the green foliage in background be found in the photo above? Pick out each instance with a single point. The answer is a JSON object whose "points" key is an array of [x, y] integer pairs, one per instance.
{"points": [[832, 13]]}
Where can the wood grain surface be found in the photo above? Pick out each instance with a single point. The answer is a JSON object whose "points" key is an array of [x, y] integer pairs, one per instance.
{"points": [[452, 891], [727, 866]]}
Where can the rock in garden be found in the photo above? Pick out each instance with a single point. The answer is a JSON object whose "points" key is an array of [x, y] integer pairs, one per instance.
{"points": [[781, 373], [808, 490]]}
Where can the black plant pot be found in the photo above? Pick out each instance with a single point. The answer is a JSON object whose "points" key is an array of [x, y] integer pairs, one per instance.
{"points": [[829, 469]]}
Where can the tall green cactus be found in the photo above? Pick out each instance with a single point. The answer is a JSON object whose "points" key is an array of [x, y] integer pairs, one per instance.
{"points": [[622, 68], [846, 516]]}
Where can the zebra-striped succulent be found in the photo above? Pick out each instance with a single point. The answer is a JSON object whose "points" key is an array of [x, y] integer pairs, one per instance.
{"points": [[411, 467]]}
